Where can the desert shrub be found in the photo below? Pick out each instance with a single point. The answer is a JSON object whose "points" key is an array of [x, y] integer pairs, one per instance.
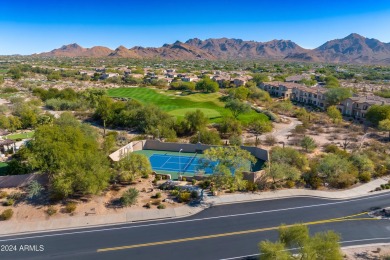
{"points": [[3, 194], [156, 202], [270, 140], [62, 104], [313, 180], [15, 196], [7, 214], [204, 184], [158, 195], [300, 129], [9, 90], [129, 197], [51, 210], [70, 207], [194, 194], [161, 206], [364, 177], [290, 184], [147, 205], [34, 190], [174, 192], [251, 186], [9, 202], [184, 196], [193, 181], [272, 116]]}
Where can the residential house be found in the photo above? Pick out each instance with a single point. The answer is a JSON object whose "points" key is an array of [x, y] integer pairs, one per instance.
{"points": [[221, 80], [85, 72], [358, 106], [295, 78], [100, 70], [109, 75]]}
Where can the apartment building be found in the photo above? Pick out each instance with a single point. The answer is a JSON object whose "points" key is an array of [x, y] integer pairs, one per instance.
{"points": [[296, 92], [358, 106]]}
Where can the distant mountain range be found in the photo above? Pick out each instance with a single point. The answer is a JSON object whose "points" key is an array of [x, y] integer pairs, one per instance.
{"points": [[352, 49]]}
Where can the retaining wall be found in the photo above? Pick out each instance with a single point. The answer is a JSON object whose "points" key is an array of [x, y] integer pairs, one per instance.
{"points": [[259, 153]]}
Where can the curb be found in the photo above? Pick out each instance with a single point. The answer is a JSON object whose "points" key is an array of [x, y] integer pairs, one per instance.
{"points": [[297, 196], [98, 225], [207, 204]]}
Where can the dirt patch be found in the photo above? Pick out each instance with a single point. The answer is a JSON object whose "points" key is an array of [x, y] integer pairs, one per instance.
{"points": [[381, 252], [90, 205]]}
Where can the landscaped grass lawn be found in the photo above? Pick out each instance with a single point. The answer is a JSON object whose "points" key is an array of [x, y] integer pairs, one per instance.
{"points": [[178, 104], [20, 135], [3, 168]]}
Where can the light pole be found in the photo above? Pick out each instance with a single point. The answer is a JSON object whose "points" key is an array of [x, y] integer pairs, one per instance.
{"points": [[198, 136], [180, 160], [158, 134]]}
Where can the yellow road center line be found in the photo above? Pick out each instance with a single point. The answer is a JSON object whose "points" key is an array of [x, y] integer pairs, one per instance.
{"points": [[341, 219]]}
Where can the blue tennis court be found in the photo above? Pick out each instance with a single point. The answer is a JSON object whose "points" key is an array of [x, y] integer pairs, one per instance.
{"points": [[180, 163]]}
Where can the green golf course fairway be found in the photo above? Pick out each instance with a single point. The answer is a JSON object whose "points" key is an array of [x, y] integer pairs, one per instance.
{"points": [[178, 104]]}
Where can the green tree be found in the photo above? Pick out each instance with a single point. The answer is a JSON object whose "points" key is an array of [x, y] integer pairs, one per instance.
{"points": [[308, 143], [196, 120], [28, 114], [206, 137], [362, 162], [133, 166], [323, 245], [230, 126], [14, 123], [289, 156], [207, 85], [4, 122], [69, 153], [231, 158], [237, 107], [337, 171], [334, 114], [294, 236], [109, 143], [280, 172], [384, 125], [259, 78], [377, 113], [259, 95], [332, 82], [181, 85], [273, 251], [240, 93], [259, 127], [336, 95]]}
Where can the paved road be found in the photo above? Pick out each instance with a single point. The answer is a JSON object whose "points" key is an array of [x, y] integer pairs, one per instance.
{"points": [[220, 232]]}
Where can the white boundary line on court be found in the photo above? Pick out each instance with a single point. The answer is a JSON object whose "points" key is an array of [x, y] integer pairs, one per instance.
{"points": [[166, 161], [162, 168]]}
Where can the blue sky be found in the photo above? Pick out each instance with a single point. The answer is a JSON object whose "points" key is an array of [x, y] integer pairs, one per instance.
{"points": [[30, 26]]}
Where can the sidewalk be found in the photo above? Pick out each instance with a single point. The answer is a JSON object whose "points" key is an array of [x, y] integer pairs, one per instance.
{"points": [[68, 223], [360, 191]]}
